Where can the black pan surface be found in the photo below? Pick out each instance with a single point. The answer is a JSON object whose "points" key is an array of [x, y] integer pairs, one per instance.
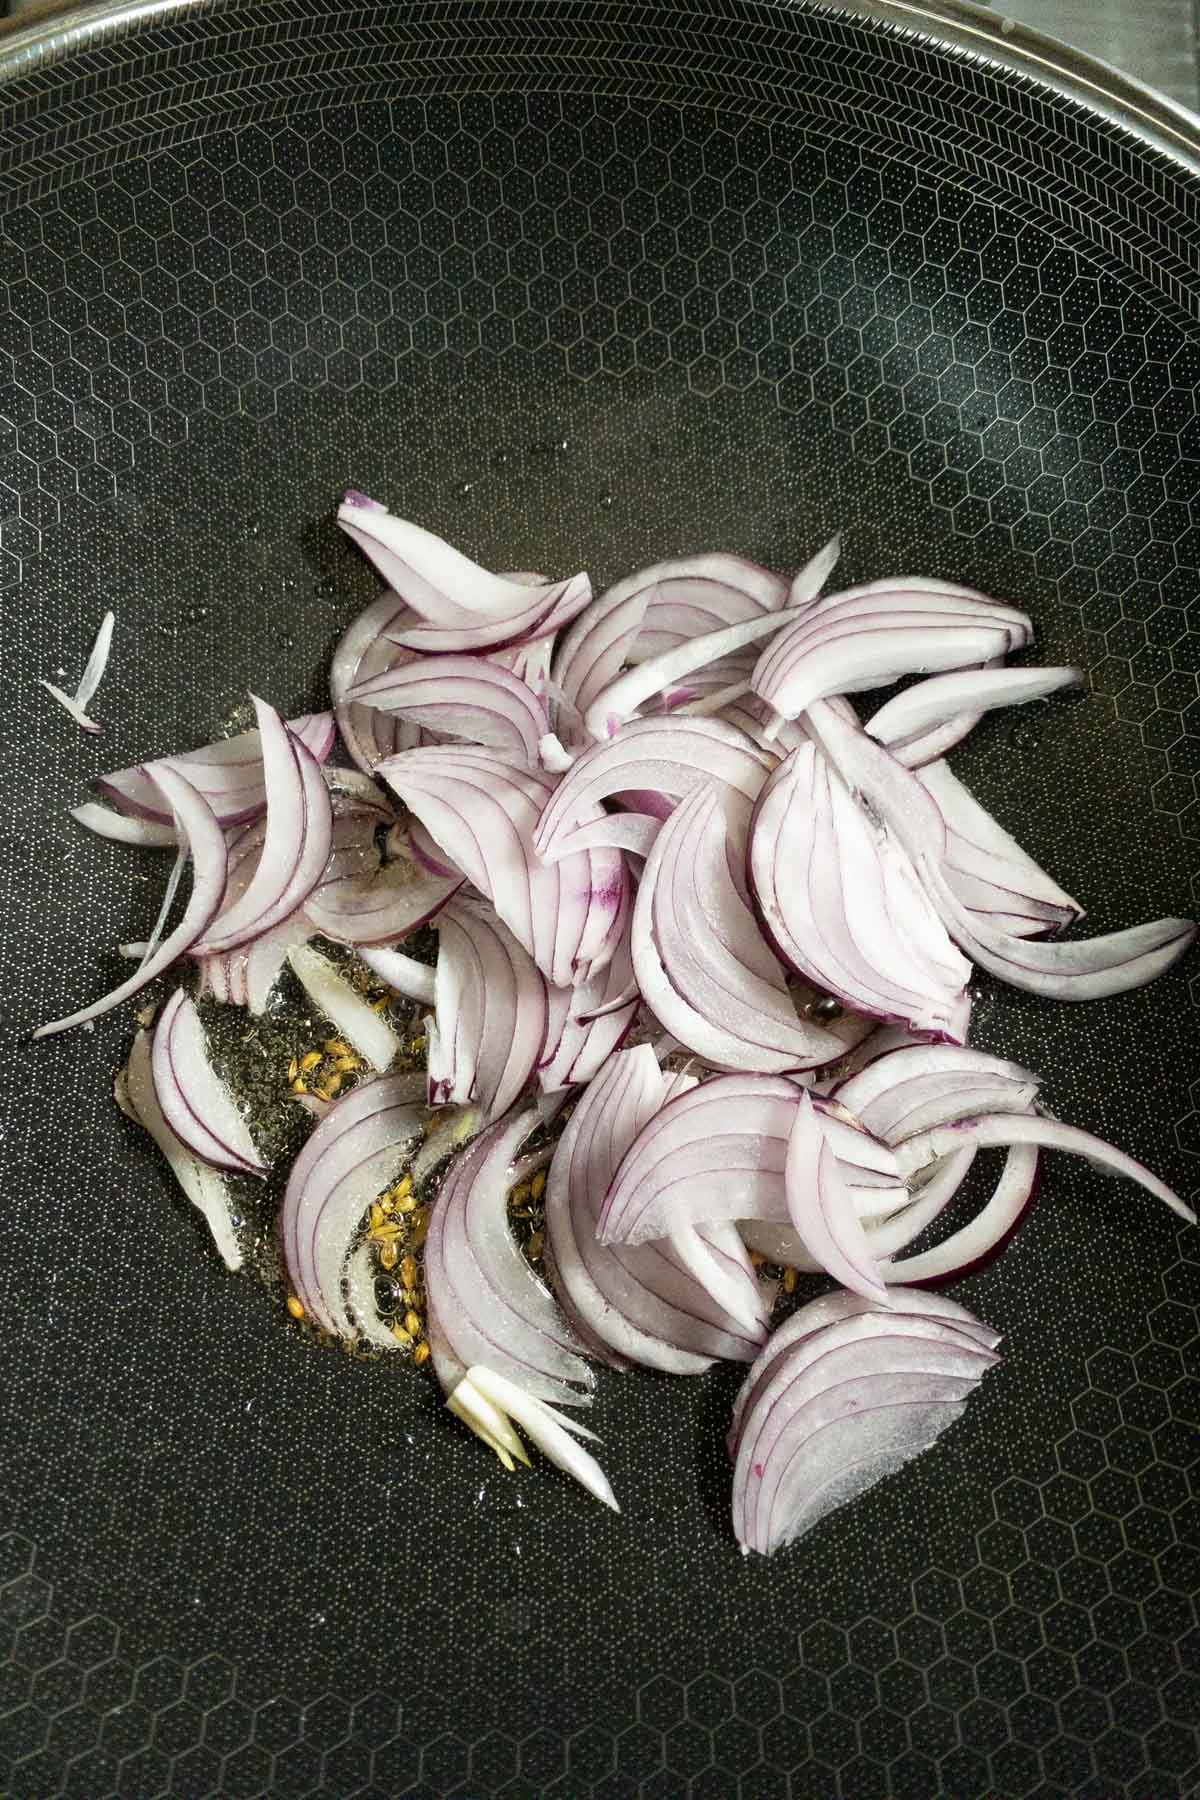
{"points": [[583, 285]]}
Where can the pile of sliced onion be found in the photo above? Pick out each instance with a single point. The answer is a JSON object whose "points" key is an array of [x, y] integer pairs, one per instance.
{"points": [[652, 817]]}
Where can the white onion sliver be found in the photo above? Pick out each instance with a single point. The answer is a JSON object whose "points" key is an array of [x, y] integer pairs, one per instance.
{"points": [[354, 1018], [204, 1187]]}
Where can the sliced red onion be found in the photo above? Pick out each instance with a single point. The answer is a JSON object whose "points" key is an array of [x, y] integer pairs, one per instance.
{"points": [[194, 1100], [547, 1429], [159, 927], [491, 1013], [358, 1284], [352, 844], [631, 832], [842, 904], [719, 1151], [907, 720], [490, 1425], [76, 705], [621, 699], [246, 976], [691, 596], [840, 1406], [488, 1301], [123, 829], [866, 636], [881, 1094], [356, 1150], [822, 1211], [1003, 1130], [453, 597], [586, 1024], [885, 1236], [975, 1244], [832, 1309], [700, 960], [367, 1031], [403, 973], [296, 844], [530, 661], [461, 697], [206, 846], [362, 653], [755, 717], [988, 869], [892, 793], [553, 755], [228, 774], [382, 905], [598, 645], [938, 740], [482, 812], [203, 1186], [456, 1127], [1090, 969], [542, 616], [665, 759], [641, 1303]]}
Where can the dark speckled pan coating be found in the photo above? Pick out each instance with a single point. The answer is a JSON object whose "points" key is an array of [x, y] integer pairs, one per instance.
{"points": [[582, 285]]}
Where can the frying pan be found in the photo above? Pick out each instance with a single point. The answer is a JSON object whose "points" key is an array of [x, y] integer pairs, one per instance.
{"points": [[585, 284]]}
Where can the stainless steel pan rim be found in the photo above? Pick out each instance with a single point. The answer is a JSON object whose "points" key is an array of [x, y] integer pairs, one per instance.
{"points": [[1160, 122]]}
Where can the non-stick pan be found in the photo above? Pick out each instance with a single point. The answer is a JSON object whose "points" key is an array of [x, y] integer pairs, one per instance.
{"points": [[584, 283]]}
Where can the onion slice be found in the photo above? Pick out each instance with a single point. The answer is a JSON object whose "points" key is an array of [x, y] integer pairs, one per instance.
{"points": [[296, 844], [122, 828], [719, 1152], [354, 1019], [617, 702], [206, 846], [203, 1186], [841, 901], [840, 1406], [598, 644], [585, 1024], [886, 1235], [491, 1013], [642, 1303], [354, 1153], [881, 1094], [70, 706], [834, 1307], [459, 606], [1087, 969], [699, 957], [363, 652], [487, 1299], [382, 904], [666, 758], [987, 869], [461, 697], [975, 1244], [229, 774], [866, 636], [918, 710], [194, 1101], [546, 1428], [820, 1208], [1003, 1130], [481, 812], [405, 974]]}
